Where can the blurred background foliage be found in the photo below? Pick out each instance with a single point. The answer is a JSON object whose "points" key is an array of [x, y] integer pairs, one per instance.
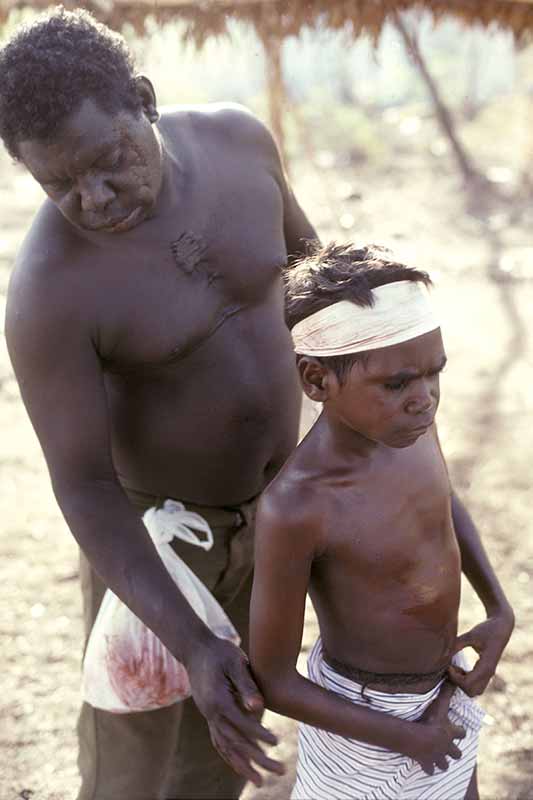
{"points": [[356, 99]]}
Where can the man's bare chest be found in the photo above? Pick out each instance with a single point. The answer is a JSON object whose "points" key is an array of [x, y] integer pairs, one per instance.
{"points": [[171, 286]]}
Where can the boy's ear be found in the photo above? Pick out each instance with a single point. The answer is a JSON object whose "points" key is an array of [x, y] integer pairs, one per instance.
{"points": [[317, 380]]}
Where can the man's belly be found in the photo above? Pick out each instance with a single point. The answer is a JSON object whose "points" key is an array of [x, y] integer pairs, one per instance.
{"points": [[213, 472], [216, 444]]}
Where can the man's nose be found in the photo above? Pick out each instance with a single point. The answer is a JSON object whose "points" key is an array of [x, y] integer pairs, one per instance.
{"points": [[95, 193], [421, 400]]}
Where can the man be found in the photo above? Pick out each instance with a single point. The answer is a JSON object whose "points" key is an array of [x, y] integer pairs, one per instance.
{"points": [[145, 325]]}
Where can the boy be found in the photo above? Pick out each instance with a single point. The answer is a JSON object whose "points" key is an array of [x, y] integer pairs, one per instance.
{"points": [[363, 516]]}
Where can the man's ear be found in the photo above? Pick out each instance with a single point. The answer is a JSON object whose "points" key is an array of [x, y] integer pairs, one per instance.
{"points": [[146, 92], [318, 382]]}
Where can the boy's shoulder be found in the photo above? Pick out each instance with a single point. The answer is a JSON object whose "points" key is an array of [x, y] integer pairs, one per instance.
{"points": [[287, 497], [291, 506]]}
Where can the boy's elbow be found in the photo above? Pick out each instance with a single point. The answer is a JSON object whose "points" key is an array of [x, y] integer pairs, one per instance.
{"points": [[276, 690]]}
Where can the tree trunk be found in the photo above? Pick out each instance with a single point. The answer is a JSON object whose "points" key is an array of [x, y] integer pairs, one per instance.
{"points": [[444, 115]]}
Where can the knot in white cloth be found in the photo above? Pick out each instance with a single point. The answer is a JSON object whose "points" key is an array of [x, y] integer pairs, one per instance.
{"points": [[173, 521]]}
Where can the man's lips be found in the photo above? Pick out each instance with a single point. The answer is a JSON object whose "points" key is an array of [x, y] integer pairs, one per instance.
{"points": [[120, 224]]}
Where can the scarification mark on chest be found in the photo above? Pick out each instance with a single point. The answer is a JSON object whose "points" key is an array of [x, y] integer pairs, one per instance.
{"points": [[189, 252]]}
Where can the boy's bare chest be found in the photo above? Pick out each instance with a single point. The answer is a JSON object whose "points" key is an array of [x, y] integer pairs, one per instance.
{"points": [[393, 519]]}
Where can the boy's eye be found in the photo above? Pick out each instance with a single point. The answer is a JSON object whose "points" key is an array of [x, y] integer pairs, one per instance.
{"points": [[436, 372], [395, 386]]}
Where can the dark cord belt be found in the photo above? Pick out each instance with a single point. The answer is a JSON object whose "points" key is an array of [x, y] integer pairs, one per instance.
{"points": [[385, 678]]}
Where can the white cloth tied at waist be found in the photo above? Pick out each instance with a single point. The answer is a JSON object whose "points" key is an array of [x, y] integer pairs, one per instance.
{"points": [[126, 668], [173, 521], [333, 767]]}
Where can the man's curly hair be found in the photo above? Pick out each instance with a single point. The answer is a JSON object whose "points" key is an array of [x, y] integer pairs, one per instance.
{"points": [[341, 272], [51, 66]]}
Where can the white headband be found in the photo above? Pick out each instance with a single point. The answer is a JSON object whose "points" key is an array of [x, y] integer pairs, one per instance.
{"points": [[401, 311]]}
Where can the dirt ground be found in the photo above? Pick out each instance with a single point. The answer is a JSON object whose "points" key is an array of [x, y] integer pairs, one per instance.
{"points": [[420, 209]]}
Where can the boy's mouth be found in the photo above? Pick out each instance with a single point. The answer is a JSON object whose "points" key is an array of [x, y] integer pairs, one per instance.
{"points": [[413, 434], [423, 426], [420, 430]]}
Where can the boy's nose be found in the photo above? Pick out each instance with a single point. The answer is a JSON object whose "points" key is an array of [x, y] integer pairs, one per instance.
{"points": [[419, 404]]}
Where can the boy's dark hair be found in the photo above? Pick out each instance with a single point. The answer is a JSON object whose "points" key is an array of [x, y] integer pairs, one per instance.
{"points": [[50, 67], [341, 272]]}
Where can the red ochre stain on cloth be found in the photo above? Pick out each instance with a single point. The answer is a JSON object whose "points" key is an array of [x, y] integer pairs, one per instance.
{"points": [[144, 674]]}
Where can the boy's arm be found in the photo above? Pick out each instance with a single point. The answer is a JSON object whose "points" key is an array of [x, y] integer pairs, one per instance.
{"points": [[490, 637], [287, 541]]}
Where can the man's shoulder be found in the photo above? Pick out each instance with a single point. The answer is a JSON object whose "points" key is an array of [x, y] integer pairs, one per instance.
{"points": [[50, 241], [39, 280], [222, 121]]}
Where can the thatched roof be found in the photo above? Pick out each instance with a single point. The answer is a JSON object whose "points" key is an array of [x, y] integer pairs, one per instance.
{"points": [[204, 18]]}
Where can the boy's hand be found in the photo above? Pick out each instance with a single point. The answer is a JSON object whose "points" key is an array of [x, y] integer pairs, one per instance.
{"points": [[226, 694], [488, 640], [436, 734]]}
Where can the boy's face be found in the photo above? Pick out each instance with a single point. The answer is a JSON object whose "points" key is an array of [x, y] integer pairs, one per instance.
{"points": [[393, 397]]}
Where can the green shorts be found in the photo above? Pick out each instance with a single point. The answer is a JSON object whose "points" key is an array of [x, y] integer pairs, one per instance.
{"points": [[167, 754]]}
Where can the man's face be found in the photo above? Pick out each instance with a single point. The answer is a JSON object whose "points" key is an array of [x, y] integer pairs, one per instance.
{"points": [[393, 398], [103, 171]]}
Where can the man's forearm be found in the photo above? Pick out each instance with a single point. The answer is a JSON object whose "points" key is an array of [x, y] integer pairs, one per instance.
{"points": [[475, 562], [121, 552]]}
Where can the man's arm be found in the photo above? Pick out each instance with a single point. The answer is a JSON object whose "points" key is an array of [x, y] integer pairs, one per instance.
{"points": [[51, 344], [251, 132], [287, 541], [297, 229], [490, 637]]}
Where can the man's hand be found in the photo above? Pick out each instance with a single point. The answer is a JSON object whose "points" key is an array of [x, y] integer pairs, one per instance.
{"points": [[435, 734], [488, 640], [226, 694]]}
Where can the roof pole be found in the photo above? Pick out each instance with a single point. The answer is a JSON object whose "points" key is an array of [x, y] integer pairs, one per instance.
{"points": [[272, 40]]}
